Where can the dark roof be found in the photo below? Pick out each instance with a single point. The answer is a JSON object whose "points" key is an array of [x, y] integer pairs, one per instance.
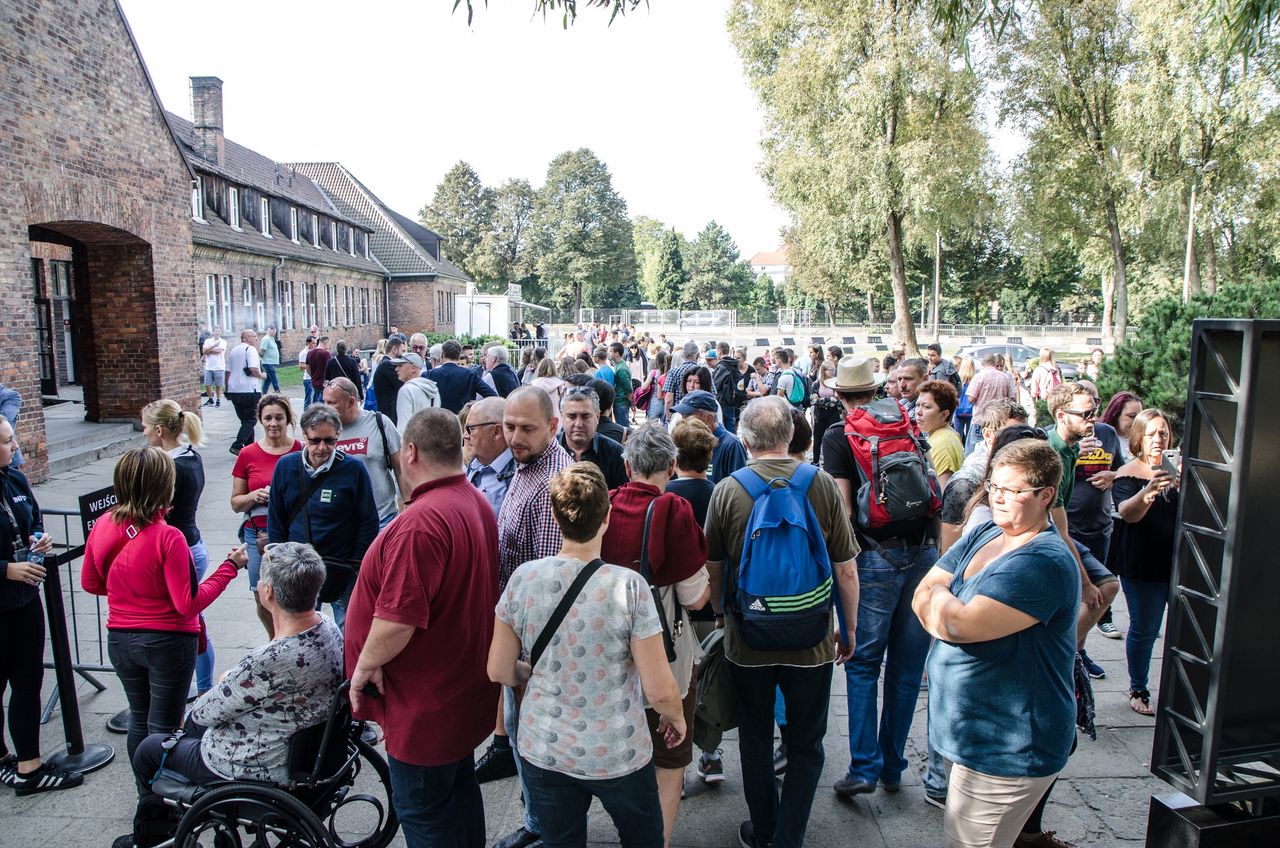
{"points": [[215, 232], [399, 243]]}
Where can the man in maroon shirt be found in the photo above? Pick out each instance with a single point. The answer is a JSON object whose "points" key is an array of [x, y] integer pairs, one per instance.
{"points": [[418, 630], [317, 362]]}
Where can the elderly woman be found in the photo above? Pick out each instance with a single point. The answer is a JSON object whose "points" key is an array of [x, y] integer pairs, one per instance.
{"points": [[935, 406], [582, 725], [1002, 605], [1146, 498], [241, 728], [677, 556], [324, 498], [144, 567]]}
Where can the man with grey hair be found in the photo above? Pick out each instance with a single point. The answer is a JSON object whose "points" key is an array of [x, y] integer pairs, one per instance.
{"points": [[492, 465], [435, 355], [580, 416], [803, 675], [498, 372], [370, 437], [673, 388]]}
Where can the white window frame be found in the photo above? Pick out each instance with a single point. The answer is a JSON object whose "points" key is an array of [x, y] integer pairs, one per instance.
{"points": [[351, 240], [228, 304], [315, 230], [293, 224], [210, 301], [264, 212], [233, 207], [287, 320], [197, 200], [260, 304], [333, 236], [367, 239]]}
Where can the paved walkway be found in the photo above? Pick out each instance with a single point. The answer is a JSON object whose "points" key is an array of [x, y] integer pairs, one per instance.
{"points": [[1101, 800]]}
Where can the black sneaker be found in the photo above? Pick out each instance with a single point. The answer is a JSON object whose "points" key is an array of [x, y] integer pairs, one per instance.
{"points": [[498, 762], [711, 768], [747, 836], [1095, 671], [46, 779], [207, 402], [9, 769], [780, 759], [936, 800]]}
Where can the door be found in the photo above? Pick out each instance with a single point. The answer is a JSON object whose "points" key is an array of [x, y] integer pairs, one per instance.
{"points": [[63, 309], [44, 332]]}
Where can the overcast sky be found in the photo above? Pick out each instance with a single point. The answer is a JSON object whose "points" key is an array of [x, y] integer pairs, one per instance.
{"points": [[400, 91]]}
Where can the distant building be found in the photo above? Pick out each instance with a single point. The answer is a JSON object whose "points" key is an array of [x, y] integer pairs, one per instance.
{"points": [[425, 287], [776, 263]]}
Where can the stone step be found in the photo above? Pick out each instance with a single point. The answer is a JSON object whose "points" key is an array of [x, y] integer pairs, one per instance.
{"points": [[75, 456], [65, 439]]}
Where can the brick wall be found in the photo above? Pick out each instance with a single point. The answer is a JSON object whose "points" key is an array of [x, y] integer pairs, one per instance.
{"points": [[412, 305]]}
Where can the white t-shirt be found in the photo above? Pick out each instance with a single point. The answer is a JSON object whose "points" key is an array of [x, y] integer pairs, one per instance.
{"points": [[243, 356], [215, 354]]}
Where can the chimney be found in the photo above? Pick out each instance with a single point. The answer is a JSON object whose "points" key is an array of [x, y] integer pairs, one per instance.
{"points": [[206, 116]]}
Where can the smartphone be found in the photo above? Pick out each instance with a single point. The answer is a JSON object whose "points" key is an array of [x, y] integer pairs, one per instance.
{"points": [[1171, 461]]}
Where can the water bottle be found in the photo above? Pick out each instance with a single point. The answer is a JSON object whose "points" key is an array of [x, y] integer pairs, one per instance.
{"points": [[32, 556]]}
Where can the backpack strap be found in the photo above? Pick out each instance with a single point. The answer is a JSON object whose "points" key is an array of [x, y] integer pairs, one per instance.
{"points": [[562, 609], [382, 431]]}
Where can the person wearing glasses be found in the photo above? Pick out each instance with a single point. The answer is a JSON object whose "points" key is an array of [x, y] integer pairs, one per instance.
{"points": [[492, 466], [1002, 606], [339, 516], [418, 344]]}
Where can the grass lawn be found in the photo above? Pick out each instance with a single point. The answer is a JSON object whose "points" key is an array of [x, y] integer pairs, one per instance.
{"points": [[289, 375]]}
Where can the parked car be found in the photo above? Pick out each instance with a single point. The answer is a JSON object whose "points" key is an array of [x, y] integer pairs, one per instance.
{"points": [[1016, 357], [702, 319]]}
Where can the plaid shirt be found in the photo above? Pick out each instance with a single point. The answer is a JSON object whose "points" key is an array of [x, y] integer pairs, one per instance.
{"points": [[675, 380], [527, 529]]}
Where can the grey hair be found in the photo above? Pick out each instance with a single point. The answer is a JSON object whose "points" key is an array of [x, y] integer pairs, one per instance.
{"points": [[500, 353], [691, 350], [766, 425], [295, 573], [436, 351], [319, 413], [649, 450]]}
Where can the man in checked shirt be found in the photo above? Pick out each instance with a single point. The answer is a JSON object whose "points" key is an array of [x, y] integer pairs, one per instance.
{"points": [[527, 530]]}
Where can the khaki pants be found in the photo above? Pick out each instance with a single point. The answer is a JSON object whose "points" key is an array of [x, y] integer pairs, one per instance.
{"points": [[986, 811]]}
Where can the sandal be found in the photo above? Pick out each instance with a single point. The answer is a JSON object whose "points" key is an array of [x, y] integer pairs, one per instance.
{"points": [[1140, 702]]}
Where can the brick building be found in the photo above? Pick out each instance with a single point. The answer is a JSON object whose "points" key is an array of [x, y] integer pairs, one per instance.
{"points": [[424, 286]]}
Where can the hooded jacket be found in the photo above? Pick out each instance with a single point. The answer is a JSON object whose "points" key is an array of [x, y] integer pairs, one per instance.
{"points": [[418, 393], [725, 379]]}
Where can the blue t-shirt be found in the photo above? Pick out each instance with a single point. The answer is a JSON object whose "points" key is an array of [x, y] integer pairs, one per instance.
{"points": [[1006, 707]]}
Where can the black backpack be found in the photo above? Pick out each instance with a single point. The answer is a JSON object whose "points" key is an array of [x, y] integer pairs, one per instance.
{"points": [[724, 380]]}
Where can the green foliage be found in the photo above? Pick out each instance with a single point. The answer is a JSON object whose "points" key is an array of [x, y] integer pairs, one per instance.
{"points": [[506, 251], [461, 211], [1156, 360], [715, 272], [648, 235], [474, 341], [671, 274], [764, 295]]}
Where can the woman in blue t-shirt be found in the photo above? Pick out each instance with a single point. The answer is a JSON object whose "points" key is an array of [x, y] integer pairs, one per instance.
{"points": [[1002, 605]]}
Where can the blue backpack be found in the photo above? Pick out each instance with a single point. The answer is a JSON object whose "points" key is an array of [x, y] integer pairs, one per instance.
{"points": [[781, 591]]}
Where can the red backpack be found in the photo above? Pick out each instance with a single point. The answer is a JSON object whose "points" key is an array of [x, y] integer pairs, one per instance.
{"points": [[897, 485]]}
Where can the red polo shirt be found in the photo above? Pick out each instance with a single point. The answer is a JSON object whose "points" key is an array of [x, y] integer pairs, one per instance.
{"points": [[435, 567], [677, 545]]}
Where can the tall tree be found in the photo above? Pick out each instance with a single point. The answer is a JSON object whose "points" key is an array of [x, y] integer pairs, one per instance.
{"points": [[462, 212], [585, 248], [648, 235], [715, 281], [506, 253], [671, 275], [872, 134]]}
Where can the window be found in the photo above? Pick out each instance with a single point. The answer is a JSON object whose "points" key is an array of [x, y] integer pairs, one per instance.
{"points": [[333, 236], [286, 318], [260, 304], [351, 241], [197, 199], [315, 230], [233, 207], [228, 304], [293, 224], [366, 246], [309, 304], [264, 217], [364, 306], [211, 301]]}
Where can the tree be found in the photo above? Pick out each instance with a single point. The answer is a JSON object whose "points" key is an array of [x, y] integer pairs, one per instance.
{"points": [[648, 235], [715, 282], [585, 248], [872, 136], [764, 295], [671, 274], [506, 252], [461, 211]]}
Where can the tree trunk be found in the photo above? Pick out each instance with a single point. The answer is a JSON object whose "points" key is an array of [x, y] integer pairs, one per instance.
{"points": [[1108, 299], [937, 281], [1193, 270], [1117, 258], [871, 309], [1210, 259], [903, 324]]}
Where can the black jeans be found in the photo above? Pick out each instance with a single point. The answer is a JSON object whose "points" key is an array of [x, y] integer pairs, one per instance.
{"points": [[155, 670], [438, 806], [185, 759], [246, 404], [807, 692], [22, 670], [561, 803]]}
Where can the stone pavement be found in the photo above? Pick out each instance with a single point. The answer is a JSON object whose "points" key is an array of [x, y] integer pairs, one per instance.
{"points": [[1101, 799]]}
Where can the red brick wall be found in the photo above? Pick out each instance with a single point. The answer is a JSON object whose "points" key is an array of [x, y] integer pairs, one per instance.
{"points": [[412, 306]]}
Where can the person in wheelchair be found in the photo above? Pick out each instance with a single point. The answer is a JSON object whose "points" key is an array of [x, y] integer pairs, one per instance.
{"points": [[240, 729]]}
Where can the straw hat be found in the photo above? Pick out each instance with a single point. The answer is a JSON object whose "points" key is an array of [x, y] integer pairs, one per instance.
{"points": [[854, 374]]}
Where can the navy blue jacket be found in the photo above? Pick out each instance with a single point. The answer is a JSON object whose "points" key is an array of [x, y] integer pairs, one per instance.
{"points": [[504, 379], [15, 489], [457, 384], [343, 515]]}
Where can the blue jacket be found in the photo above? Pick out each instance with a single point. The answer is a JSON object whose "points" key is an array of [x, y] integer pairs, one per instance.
{"points": [[727, 458], [457, 384], [343, 515], [10, 405], [504, 379]]}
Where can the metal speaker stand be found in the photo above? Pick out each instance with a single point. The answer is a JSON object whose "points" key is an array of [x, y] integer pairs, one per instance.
{"points": [[1217, 734]]}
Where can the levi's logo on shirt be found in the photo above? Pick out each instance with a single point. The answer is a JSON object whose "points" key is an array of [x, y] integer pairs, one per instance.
{"points": [[358, 446]]}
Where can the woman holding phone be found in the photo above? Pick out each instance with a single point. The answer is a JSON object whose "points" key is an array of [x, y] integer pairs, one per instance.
{"points": [[1146, 496]]}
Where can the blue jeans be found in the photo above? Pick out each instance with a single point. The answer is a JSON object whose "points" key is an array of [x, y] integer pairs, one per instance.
{"points": [[339, 607], [1146, 600], [561, 803], [308, 393], [250, 538], [155, 673], [781, 820], [204, 662], [886, 625], [511, 722], [730, 418], [270, 380], [620, 414], [438, 806]]}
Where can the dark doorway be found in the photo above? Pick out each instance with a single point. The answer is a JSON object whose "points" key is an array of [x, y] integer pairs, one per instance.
{"points": [[44, 332]]}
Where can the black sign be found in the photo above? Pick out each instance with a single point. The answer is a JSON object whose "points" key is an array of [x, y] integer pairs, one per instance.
{"points": [[95, 505]]}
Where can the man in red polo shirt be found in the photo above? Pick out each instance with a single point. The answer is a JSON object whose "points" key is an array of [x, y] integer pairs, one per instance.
{"points": [[418, 630]]}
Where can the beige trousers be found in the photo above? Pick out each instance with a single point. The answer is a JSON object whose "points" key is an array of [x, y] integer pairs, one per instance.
{"points": [[985, 811]]}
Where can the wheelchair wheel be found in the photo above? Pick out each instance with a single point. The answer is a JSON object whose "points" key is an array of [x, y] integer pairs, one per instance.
{"points": [[269, 818], [360, 818]]}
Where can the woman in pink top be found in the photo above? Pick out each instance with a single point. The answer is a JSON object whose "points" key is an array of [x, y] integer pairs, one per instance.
{"points": [[145, 569]]}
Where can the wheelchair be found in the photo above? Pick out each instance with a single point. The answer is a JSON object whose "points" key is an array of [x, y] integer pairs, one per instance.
{"points": [[317, 807]]}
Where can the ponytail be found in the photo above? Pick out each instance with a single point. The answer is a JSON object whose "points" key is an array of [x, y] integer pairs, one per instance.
{"points": [[168, 415]]}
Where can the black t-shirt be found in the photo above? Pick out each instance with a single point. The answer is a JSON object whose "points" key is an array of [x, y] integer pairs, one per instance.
{"points": [[837, 460], [16, 491], [1089, 510], [345, 365], [697, 492], [187, 488], [386, 386], [1144, 550]]}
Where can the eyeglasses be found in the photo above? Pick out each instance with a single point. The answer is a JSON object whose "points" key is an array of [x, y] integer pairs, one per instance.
{"points": [[471, 427], [1087, 414], [315, 443], [993, 489], [419, 348]]}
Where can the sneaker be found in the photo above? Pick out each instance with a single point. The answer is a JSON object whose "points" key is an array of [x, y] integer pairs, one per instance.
{"points": [[747, 836], [939, 801], [46, 779], [125, 841], [780, 758], [235, 451], [9, 769], [1041, 840], [207, 402], [498, 762], [711, 768], [370, 735], [217, 403], [848, 787], [1109, 630], [1095, 671]]}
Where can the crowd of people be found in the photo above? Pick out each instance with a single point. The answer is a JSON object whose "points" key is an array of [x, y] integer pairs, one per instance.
{"points": [[545, 555]]}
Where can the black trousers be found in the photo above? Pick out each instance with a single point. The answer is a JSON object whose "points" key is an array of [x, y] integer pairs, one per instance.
{"points": [[246, 404], [22, 670]]}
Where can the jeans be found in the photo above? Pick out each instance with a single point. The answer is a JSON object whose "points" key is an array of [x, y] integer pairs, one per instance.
{"points": [[438, 806], [631, 801], [1146, 600], [308, 393], [511, 722], [730, 414], [155, 672], [185, 759], [339, 607], [961, 424], [620, 414], [246, 404], [204, 662], [781, 821], [886, 625], [250, 538], [270, 380]]}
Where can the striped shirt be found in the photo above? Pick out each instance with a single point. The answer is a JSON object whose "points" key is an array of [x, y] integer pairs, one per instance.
{"points": [[676, 378], [527, 529]]}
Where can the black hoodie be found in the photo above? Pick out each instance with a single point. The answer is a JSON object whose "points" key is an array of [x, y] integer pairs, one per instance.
{"points": [[725, 380]]}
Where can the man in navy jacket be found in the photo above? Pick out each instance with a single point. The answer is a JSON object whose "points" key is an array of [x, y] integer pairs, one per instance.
{"points": [[457, 383], [498, 366]]}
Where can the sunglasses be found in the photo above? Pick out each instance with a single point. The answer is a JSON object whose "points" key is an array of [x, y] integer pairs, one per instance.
{"points": [[317, 442], [1087, 414], [419, 348]]}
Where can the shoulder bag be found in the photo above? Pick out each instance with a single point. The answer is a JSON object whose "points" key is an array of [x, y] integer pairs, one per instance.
{"points": [[668, 639]]}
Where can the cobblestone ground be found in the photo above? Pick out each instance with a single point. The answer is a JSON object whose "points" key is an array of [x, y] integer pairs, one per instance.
{"points": [[1101, 800]]}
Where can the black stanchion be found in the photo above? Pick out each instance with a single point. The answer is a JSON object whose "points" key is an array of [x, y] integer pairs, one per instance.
{"points": [[78, 756]]}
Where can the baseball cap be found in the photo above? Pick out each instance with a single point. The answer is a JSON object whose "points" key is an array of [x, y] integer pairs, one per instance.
{"points": [[697, 401], [409, 359], [711, 354]]}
